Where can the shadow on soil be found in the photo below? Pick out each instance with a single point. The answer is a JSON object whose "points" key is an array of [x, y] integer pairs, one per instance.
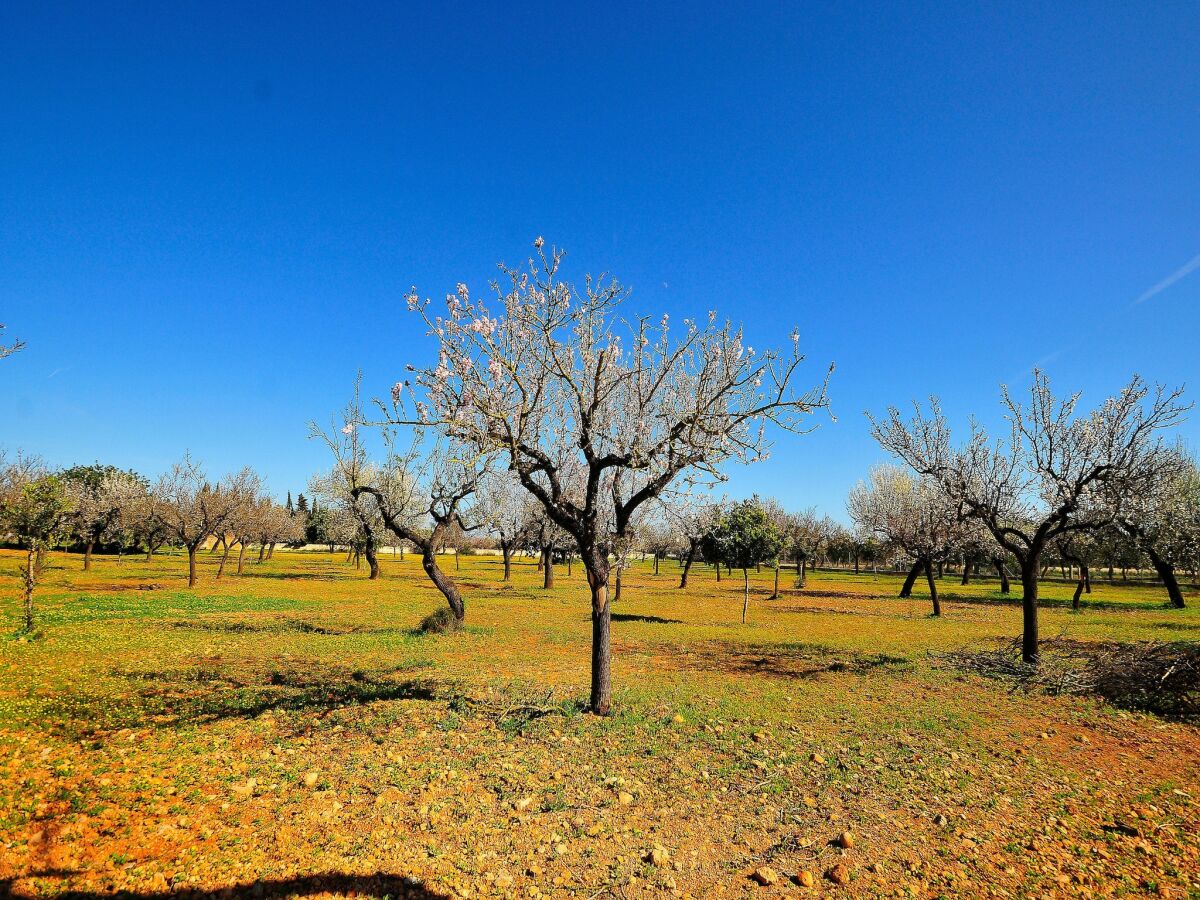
{"points": [[274, 626], [653, 620], [206, 694], [778, 660], [336, 883]]}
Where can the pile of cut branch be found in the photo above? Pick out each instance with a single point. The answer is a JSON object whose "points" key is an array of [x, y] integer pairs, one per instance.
{"points": [[1154, 676]]}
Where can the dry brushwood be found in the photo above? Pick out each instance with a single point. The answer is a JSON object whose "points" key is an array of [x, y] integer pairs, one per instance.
{"points": [[1155, 676]]}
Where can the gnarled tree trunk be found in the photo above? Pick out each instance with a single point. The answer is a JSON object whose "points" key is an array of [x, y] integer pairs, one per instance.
{"points": [[933, 594], [1166, 571], [910, 580], [441, 581]]}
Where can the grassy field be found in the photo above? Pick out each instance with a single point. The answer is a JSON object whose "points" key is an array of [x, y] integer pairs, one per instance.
{"points": [[287, 732]]}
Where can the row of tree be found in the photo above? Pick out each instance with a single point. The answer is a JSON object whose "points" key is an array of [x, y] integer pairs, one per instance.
{"points": [[549, 412], [96, 505]]}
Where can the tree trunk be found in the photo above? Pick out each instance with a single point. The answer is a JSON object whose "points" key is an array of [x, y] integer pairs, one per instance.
{"points": [[548, 568], [1166, 571], [87, 555], [656, 562], [457, 564], [802, 568], [601, 699], [1029, 608], [262, 551], [1078, 592], [687, 565], [1086, 572], [541, 560], [1003, 573], [241, 556], [718, 568], [192, 565], [372, 560], [775, 593], [270, 549], [149, 552], [966, 579], [906, 590], [506, 552], [745, 593], [617, 594], [856, 563], [29, 576], [933, 594], [441, 581], [224, 559]]}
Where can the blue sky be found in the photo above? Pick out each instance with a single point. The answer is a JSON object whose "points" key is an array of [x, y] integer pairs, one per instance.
{"points": [[209, 213]]}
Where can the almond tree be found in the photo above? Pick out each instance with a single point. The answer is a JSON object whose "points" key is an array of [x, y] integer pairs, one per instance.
{"points": [[193, 508], [912, 514], [551, 376], [423, 487], [35, 509], [805, 537], [9, 349], [98, 494], [1164, 520], [1055, 472], [692, 518], [504, 506]]}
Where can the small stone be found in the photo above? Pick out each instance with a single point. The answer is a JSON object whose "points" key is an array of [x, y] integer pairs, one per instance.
{"points": [[311, 779], [503, 880], [940, 820], [657, 856], [804, 878], [765, 875], [677, 719], [839, 874], [523, 804], [845, 840], [534, 871], [759, 737], [624, 798], [817, 758]]}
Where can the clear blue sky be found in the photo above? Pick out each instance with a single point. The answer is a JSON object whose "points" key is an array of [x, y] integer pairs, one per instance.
{"points": [[209, 213]]}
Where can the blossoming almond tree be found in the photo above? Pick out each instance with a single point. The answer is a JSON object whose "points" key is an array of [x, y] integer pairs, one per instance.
{"points": [[549, 374], [422, 489], [1056, 472]]}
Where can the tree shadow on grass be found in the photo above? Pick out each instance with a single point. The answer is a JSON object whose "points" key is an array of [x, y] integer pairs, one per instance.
{"points": [[1014, 599], [275, 626], [793, 661], [298, 576], [653, 620], [199, 696], [378, 885]]}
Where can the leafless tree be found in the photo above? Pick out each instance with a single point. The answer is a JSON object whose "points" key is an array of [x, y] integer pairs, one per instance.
{"points": [[805, 537], [422, 489], [7, 350], [692, 517], [1164, 519], [505, 508], [912, 514], [557, 380], [1055, 472], [193, 508]]}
